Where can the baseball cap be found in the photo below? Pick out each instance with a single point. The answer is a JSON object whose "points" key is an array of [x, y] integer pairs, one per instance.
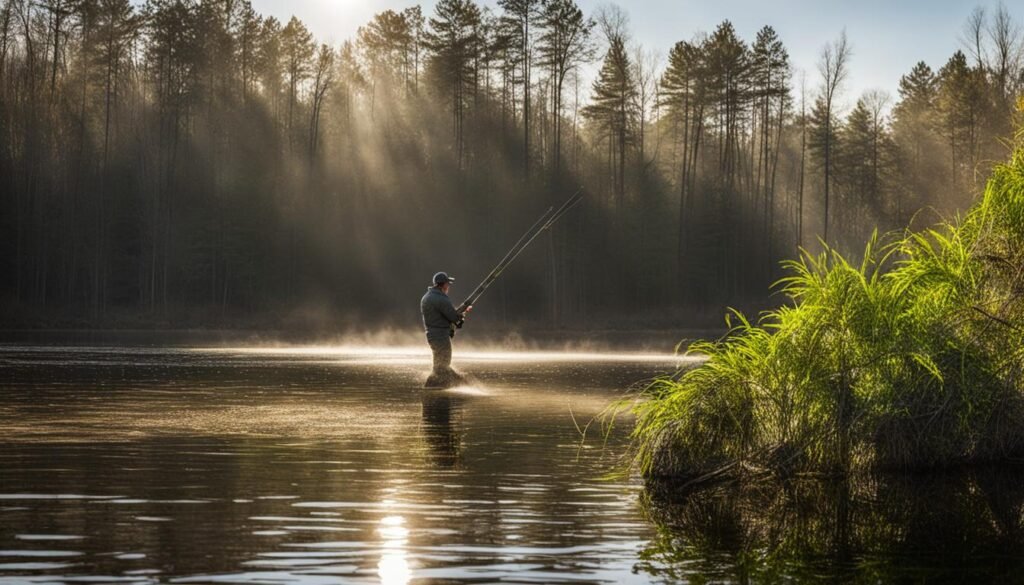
{"points": [[443, 277]]}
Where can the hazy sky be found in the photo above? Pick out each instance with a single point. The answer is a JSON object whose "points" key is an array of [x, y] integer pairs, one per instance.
{"points": [[888, 36]]}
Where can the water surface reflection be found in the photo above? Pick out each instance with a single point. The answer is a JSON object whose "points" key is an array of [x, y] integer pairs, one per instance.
{"points": [[186, 466], [924, 528], [441, 430], [155, 465]]}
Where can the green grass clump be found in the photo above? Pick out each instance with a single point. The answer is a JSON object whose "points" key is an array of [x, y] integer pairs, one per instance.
{"points": [[910, 359]]}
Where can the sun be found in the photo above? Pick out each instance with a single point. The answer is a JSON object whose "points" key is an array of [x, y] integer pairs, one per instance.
{"points": [[354, 7], [338, 20]]}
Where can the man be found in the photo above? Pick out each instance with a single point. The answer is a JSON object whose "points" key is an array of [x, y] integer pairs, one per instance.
{"points": [[439, 318]]}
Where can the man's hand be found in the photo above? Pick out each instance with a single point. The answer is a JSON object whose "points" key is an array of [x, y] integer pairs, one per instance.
{"points": [[466, 312]]}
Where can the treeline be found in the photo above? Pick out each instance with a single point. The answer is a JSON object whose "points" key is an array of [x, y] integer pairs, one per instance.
{"points": [[191, 160]]}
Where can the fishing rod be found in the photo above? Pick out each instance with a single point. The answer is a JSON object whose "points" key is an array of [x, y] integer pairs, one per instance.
{"points": [[548, 219], [509, 256]]}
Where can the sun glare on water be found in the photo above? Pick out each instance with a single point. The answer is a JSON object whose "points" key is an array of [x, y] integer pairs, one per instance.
{"points": [[393, 567]]}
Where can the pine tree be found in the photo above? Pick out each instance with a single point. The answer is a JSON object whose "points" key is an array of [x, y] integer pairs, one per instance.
{"points": [[414, 48], [823, 132], [864, 165], [683, 97], [118, 26], [914, 129], [453, 41], [564, 43], [297, 50], [248, 32], [387, 42], [518, 20], [728, 68], [269, 73], [612, 108], [351, 80], [771, 76], [960, 107]]}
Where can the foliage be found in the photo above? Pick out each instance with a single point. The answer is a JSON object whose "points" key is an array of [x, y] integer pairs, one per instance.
{"points": [[910, 359]]}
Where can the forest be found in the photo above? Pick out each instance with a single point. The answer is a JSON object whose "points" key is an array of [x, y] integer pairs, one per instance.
{"points": [[180, 163]]}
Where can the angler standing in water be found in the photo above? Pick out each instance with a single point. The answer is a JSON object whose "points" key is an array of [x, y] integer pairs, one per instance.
{"points": [[440, 316], [440, 319]]}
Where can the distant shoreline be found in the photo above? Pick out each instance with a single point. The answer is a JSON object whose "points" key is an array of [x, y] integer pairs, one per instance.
{"points": [[569, 338]]}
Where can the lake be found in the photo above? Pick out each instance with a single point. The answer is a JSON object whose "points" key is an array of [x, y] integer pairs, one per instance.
{"points": [[331, 465], [314, 465]]}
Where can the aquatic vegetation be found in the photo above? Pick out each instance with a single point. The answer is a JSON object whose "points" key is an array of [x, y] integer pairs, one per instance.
{"points": [[909, 359]]}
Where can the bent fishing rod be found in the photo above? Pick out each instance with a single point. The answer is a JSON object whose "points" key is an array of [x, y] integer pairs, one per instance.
{"points": [[548, 219]]}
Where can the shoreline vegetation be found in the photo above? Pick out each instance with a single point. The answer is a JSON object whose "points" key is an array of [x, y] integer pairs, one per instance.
{"points": [[910, 360]]}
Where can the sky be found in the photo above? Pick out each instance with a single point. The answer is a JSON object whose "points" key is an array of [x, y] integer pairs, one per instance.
{"points": [[888, 36]]}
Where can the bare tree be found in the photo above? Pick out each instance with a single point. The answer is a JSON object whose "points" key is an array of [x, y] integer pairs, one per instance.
{"points": [[1005, 36], [645, 64], [833, 66], [973, 35]]}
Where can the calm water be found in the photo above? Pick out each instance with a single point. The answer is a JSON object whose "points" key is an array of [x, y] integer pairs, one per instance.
{"points": [[142, 465], [311, 466]]}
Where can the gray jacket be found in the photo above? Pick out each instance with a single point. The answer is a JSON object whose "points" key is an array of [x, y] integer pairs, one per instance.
{"points": [[438, 313]]}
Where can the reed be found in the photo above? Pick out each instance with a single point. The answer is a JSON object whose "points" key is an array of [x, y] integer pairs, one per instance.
{"points": [[910, 359]]}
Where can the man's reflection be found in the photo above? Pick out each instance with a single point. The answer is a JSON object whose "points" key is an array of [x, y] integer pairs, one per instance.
{"points": [[441, 430]]}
